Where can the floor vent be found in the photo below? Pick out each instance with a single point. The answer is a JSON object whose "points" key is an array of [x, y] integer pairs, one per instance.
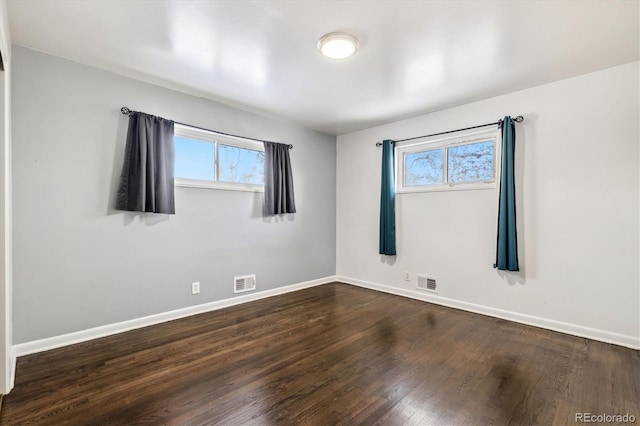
{"points": [[427, 283], [244, 283]]}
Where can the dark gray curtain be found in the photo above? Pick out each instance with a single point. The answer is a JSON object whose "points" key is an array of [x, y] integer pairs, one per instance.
{"points": [[278, 179], [507, 246], [146, 183]]}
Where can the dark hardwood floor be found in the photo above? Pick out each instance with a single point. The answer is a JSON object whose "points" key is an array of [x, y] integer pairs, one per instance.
{"points": [[334, 354]]}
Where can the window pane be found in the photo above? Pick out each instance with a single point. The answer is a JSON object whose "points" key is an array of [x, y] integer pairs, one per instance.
{"points": [[194, 159], [241, 165], [423, 168], [470, 163]]}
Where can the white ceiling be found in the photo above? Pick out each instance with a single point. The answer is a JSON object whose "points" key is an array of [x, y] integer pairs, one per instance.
{"points": [[415, 56]]}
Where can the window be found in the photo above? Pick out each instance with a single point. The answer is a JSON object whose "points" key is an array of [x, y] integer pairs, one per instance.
{"points": [[463, 162], [209, 160]]}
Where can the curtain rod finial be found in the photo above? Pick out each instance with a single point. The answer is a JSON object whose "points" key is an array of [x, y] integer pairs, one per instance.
{"points": [[519, 119], [379, 144], [125, 110]]}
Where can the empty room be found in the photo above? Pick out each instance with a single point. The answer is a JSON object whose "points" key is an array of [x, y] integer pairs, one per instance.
{"points": [[319, 212]]}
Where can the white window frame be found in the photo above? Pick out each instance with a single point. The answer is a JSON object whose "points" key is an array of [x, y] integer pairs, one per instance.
{"points": [[216, 139], [443, 143]]}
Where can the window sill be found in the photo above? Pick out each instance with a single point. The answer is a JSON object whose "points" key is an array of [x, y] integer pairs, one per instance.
{"points": [[444, 188], [225, 186]]}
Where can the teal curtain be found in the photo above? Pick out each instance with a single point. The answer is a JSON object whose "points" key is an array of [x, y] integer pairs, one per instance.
{"points": [[387, 201], [507, 247]]}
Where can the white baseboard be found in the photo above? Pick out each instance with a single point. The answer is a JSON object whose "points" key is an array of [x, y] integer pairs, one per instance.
{"points": [[120, 327], [110, 329], [628, 341]]}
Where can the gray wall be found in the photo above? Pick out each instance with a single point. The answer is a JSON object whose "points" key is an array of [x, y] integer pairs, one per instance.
{"points": [[79, 264]]}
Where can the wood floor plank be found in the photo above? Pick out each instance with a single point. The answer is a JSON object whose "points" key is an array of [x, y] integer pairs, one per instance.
{"points": [[333, 354]]}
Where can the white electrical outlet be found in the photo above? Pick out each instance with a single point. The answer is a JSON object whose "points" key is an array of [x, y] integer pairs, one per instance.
{"points": [[195, 288], [407, 276]]}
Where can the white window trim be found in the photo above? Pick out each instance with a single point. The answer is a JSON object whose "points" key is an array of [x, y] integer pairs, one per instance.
{"points": [[442, 142], [217, 139]]}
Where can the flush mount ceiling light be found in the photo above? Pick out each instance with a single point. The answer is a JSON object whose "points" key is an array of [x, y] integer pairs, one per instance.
{"points": [[338, 45]]}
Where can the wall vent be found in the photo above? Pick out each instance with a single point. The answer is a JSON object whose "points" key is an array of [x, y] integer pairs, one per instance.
{"points": [[244, 283], [427, 283]]}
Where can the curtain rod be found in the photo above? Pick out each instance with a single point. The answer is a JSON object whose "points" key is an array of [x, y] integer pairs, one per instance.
{"points": [[127, 111], [518, 119]]}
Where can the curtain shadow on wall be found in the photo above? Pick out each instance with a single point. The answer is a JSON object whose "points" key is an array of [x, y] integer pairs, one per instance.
{"points": [[118, 156], [285, 217], [389, 260]]}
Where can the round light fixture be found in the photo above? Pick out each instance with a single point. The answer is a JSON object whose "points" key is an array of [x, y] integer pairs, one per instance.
{"points": [[338, 45]]}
